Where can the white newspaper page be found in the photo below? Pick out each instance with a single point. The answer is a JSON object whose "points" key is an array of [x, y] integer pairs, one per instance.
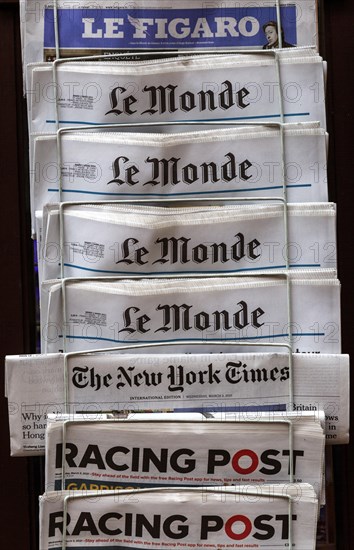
{"points": [[239, 88], [247, 384], [230, 162], [164, 25], [123, 239], [138, 454], [110, 312], [207, 518]]}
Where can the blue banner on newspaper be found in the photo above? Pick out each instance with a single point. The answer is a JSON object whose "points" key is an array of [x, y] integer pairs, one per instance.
{"points": [[124, 28]]}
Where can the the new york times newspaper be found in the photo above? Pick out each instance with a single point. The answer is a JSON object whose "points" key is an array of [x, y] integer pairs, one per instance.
{"points": [[244, 383]]}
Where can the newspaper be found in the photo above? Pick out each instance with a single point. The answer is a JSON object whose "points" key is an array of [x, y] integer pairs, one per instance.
{"points": [[239, 88], [245, 383], [118, 454], [217, 383], [230, 162], [222, 517], [124, 239], [110, 312], [180, 25]]}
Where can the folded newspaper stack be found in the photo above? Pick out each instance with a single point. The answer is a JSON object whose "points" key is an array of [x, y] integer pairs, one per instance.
{"points": [[245, 383], [239, 87], [91, 313], [117, 239], [233, 161], [111, 454], [220, 517], [264, 409], [178, 25]]}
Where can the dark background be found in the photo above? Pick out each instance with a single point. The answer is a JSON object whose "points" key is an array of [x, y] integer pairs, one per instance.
{"points": [[21, 478]]}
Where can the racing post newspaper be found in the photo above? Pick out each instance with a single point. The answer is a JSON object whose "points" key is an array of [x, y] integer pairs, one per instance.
{"points": [[208, 517], [131, 382], [116, 454], [123, 239], [84, 314]]}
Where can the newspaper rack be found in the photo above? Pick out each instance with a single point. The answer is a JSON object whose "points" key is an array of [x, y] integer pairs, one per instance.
{"points": [[66, 281]]}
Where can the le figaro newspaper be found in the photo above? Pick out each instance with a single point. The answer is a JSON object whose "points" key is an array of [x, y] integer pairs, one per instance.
{"points": [[120, 26]]}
